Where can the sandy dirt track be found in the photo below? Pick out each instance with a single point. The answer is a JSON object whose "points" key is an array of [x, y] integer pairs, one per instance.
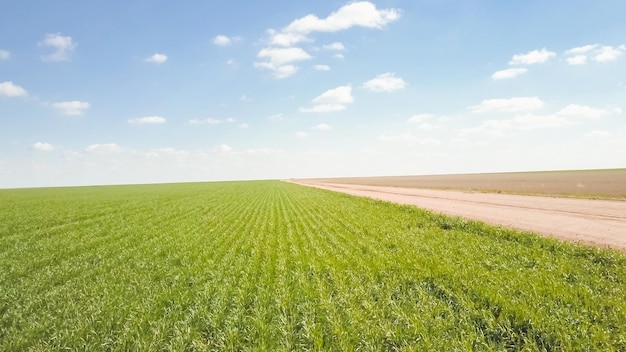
{"points": [[596, 222]]}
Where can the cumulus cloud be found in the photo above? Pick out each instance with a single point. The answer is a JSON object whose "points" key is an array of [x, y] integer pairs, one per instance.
{"points": [[286, 39], [322, 127], [532, 57], [386, 82], [577, 60], [211, 121], [585, 112], [9, 89], [43, 147], [147, 120], [595, 52], [223, 40], [508, 73], [339, 56], [157, 58], [332, 100], [571, 114], [335, 46], [63, 47], [280, 60], [4, 55], [72, 108], [581, 49], [609, 53], [322, 67], [507, 105], [355, 14]]}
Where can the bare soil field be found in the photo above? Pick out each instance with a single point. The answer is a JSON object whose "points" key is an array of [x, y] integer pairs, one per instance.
{"points": [[597, 184], [590, 221]]}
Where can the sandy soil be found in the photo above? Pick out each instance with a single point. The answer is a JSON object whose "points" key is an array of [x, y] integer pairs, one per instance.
{"points": [[596, 222], [595, 184]]}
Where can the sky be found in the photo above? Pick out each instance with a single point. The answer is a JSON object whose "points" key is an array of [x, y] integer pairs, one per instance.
{"points": [[116, 92]]}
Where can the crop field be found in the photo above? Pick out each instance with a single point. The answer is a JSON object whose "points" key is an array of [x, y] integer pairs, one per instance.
{"points": [[603, 184], [269, 265]]}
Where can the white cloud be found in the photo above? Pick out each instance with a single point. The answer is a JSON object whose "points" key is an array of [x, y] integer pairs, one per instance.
{"points": [[4, 55], [532, 57], [339, 56], [508, 73], [324, 108], [211, 121], [147, 120], [157, 58], [335, 46], [8, 89], [581, 49], [222, 40], [322, 127], [43, 147], [286, 39], [596, 52], [386, 82], [63, 47], [72, 108], [609, 53], [571, 114], [577, 60], [419, 118], [507, 105], [582, 111], [355, 14], [280, 60], [339, 95], [106, 148], [332, 100], [322, 67], [243, 125]]}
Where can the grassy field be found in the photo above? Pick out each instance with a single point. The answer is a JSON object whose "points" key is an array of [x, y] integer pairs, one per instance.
{"points": [[276, 266], [601, 184]]}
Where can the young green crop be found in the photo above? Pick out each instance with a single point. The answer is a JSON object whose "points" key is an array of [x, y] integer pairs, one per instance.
{"points": [[275, 266]]}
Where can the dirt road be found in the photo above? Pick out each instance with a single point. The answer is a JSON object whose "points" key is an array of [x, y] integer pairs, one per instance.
{"points": [[597, 222]]}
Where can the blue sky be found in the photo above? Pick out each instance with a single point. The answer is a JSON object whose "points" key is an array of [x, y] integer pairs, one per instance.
{"points": [[163, 91]]}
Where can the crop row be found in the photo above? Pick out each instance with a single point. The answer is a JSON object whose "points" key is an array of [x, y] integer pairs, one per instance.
{"points": [[276, 266]]}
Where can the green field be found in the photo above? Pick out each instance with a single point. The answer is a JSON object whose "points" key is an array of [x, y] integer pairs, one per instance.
{"points": [[275, 266]]}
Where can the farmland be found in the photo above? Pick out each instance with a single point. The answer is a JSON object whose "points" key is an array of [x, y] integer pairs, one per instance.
{"points": [[268, 265], [602, 184]]}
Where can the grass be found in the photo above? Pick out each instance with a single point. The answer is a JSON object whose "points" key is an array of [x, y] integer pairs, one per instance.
{"points": [[276, 266]]}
